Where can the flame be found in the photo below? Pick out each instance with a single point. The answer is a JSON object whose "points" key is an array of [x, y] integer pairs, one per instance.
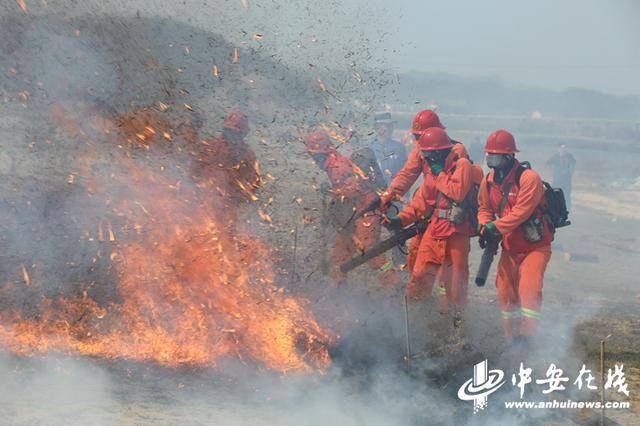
{"points": [[333, 134], [193, 286]]}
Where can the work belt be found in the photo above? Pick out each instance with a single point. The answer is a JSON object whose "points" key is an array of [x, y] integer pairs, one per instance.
{"points": [[443, 213], [455, 214]]}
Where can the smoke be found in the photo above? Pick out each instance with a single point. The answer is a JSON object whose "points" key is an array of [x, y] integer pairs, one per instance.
{"points": [[69, 72]]}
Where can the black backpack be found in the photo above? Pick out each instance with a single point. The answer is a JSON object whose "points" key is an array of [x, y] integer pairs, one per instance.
{"points": [[556, 210], [471, 204]]}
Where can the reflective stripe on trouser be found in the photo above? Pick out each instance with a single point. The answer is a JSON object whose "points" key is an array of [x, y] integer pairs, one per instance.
{"points": [[511, 323], [433, 253], [387, 266], [388, 276], [519, 283]]}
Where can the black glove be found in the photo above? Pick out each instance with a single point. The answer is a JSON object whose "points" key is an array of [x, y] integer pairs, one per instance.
{"points": [[374, 204], [482, 241], [392, 223], [488, 233]]}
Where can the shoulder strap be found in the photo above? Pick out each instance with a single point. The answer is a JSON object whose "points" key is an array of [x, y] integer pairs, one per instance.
{"points": [[525, 165], [505, 198], [439, 194]]}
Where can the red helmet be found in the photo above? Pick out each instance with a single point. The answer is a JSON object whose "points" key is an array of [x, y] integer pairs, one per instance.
{"points": [[500, 142], [318, 142], [424, 120], [434, 139], [237, 120]]}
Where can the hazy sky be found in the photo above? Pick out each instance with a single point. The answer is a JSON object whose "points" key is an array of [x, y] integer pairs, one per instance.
{"points": [[547, 43]]}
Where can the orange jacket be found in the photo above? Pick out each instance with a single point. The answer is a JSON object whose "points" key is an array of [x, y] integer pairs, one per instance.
{"points": [[454, 183], [347, 180], [411, 171], [236, 159], [523, 201]]}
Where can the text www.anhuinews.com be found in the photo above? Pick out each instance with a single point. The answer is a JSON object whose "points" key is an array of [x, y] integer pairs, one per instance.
{"points": [[567, 404]]}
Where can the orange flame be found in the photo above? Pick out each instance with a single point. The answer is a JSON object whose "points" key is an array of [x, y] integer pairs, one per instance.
{"points": [[193, 286]]}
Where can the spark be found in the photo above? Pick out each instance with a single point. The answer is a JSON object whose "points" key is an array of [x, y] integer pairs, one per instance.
{"points": [[22, 5], [25, 276]]}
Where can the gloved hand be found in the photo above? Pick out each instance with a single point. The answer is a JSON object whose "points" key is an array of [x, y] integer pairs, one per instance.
{"points": [[488, 232], [436, 169], [482, 239], [392, 223], [491, 229]]}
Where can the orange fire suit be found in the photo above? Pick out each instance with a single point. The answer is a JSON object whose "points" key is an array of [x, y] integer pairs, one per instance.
{"points": [[229, 167], [522, 264], [445, 243], [363, 233], [404, 180]]}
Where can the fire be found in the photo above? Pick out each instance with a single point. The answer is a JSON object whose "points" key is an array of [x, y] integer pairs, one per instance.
{"points": [[193, 286]]}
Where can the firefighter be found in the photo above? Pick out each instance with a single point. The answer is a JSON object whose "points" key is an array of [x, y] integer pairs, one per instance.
{"points": [[230, 154], [444, 196], [351, 191], [390, 153], [511, 208], [411, 171], [408, 175]]}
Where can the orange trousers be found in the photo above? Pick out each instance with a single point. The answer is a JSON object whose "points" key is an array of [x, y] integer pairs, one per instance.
{"points": [[519, 283], [359, 237], [444, 274], [412, 253], [448, 258]]}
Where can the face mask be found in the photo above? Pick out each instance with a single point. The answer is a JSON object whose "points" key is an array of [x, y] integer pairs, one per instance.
{"points": [[496, 161], [436, 156]]}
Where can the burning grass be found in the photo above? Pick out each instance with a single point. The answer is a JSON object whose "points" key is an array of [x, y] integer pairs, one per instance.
{"points": [[193, 286]]}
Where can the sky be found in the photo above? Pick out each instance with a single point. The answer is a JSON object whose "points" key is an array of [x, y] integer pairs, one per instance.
{"points": [[544, 43], [556, 44]]}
